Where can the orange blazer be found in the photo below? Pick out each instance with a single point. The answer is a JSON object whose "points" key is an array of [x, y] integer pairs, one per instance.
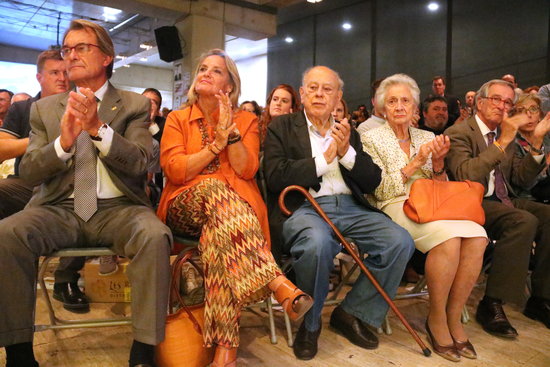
{"points": [[182, 137]]}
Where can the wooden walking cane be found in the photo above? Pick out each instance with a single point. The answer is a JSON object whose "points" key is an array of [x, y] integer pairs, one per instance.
{"points": [[427, 352]]}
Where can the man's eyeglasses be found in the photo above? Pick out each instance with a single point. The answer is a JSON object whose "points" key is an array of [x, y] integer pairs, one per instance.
{"points": [[496, 101], [80, 49], [532, 109]]}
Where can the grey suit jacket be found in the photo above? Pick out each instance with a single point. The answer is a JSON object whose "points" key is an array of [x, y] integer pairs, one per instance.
{"points": [[471, 159], [125, 112]]}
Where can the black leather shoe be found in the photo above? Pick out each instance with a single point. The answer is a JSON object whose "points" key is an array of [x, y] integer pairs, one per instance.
{"points": [[72, 297], [538, 309], [492, 318], [305, 343], [353, 329]]}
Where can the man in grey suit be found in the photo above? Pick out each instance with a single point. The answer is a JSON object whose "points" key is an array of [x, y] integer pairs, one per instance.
{"points": [[483, 150], [15, 193], [88, 154]]}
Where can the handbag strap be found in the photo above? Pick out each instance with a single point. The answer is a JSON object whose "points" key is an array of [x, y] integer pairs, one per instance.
{"points": [[182, 258]]}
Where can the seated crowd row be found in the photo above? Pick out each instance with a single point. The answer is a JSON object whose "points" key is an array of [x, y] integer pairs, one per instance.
{"points": [[89, 152]]}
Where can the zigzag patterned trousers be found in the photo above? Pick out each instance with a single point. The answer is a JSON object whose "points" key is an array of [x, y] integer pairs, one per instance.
{"points": [[237, 262]]}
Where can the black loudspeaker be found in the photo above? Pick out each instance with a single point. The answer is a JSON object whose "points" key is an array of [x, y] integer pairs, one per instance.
{"points": [[168, 43]]}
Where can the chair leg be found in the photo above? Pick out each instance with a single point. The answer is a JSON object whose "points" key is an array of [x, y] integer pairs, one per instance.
{"points": [[386, 328], [465, 315], [41, 274], [290, 337], [269, 306]]}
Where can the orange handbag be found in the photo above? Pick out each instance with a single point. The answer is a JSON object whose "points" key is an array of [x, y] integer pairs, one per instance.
{"points": [[183, 341], [431, 200]]}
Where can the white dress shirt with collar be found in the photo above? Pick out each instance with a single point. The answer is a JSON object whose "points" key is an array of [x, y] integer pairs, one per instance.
{"points": [[106, 188], [333, 183]]}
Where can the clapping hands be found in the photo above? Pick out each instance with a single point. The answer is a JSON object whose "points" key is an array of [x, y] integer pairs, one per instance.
{"points": [[225, 120]]}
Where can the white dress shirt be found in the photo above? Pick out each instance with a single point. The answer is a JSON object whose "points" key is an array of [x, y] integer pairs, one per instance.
{"points": [[333, 183], [106, 188]]}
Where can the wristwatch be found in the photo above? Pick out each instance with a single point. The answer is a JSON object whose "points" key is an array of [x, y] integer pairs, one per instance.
{"points": [[100, 133], [234, 137]]}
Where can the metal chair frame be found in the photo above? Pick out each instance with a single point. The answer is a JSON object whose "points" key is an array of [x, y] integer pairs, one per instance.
{"points": [[57, 323]]}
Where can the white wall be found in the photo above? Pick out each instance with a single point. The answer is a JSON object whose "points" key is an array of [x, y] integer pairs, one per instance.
{"points": [[136, 78], [253, 72]]}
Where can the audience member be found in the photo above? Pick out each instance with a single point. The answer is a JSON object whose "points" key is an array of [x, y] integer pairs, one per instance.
{"points": [[455, 247], [377, 118], [69, 137], [5, 103], [252, 106], [210, 156], [18, 97], [283, 99], [483, 150], [534, 89], [544, 95], [530, 105], [165, 112], [434, 110], [155, 116], [15, 193], [438, 89], [156, 128], [340, 112], [469, 98], [308, 149], [512, 80]]}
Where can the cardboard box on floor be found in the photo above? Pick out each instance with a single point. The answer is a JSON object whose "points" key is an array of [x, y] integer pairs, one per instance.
{"points": [[111, 288]]}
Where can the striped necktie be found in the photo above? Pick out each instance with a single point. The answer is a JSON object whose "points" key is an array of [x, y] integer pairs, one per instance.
{"points": [[500, 186]]}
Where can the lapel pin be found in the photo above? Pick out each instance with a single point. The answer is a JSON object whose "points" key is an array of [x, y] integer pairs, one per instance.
{"points": [[113, 108]]}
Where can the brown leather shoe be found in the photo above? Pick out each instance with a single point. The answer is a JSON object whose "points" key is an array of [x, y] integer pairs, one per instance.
{"points": [[465, 349], [538, 309], [353, 329], [492, 318], [446, 351], [305, 343]]}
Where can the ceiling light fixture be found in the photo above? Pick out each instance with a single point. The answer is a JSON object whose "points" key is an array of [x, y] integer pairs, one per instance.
{"points": [[110, 14], [314, 1], [433, 6], [145, 46], [289, 39], [346, 26]]}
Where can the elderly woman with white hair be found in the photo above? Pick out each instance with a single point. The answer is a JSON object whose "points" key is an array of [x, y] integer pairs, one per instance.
{"points": [[455, 247]]}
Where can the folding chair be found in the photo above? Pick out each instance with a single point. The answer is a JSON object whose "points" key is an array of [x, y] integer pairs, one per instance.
{"points": [[58, 323]]}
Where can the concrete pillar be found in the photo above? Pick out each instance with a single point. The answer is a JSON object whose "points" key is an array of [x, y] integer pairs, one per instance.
{"points": [[198, 34]]}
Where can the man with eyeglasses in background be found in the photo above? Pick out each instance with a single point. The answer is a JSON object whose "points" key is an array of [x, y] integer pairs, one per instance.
{"points": [[483, 150], [88, 154]]}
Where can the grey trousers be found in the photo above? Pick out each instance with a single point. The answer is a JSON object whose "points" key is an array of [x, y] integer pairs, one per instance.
{"points": [[514, 230], [15, 193], [130, 230]]}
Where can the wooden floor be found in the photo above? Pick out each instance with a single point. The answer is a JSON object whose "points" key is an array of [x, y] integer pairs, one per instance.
{"points": [[106, 347]]}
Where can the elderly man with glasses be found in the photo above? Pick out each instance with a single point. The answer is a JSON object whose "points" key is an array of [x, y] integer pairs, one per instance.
{"points": [[308, 148], [483, 150]]}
